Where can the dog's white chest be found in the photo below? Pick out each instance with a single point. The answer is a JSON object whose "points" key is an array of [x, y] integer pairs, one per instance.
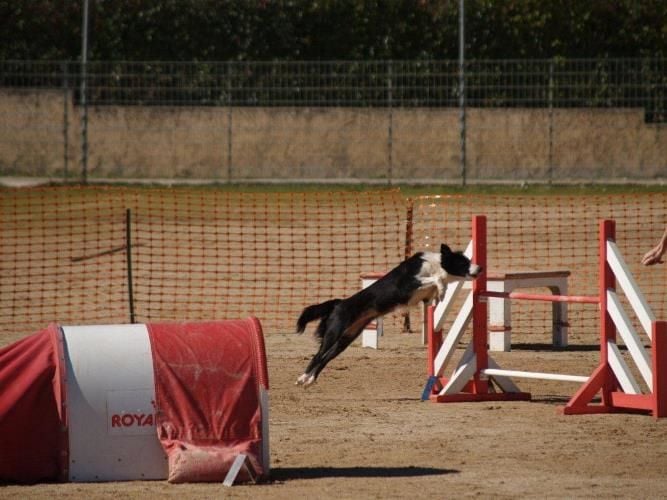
{"points": [[431, 266], [432, 277]]}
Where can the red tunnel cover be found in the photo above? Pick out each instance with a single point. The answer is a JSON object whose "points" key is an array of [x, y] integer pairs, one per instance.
{"points": [[33, 430], [207, 382]]}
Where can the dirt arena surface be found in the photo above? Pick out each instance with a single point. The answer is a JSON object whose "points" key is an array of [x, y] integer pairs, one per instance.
{"points": [[362, 432]]}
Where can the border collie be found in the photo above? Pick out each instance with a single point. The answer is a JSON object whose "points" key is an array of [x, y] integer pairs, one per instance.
{"points": [[422, 277]]}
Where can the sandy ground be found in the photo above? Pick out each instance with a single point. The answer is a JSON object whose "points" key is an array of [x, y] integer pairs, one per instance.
{"points": [[362, 432]]}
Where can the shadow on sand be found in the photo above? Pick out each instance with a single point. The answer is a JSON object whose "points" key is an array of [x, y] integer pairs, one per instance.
{"points": [[292, 473]]}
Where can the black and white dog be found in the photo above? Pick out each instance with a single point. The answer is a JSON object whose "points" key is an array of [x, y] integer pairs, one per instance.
{"points": [[422, 277]]}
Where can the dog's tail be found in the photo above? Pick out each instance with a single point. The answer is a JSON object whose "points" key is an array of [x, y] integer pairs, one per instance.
{"points": [[314, 312]]}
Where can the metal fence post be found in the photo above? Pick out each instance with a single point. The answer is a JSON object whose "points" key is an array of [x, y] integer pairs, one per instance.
{"points": [[390, 131], [229, 121], [550, 166], [84, 102], [462, 92], [128, 255], [65, 121]]}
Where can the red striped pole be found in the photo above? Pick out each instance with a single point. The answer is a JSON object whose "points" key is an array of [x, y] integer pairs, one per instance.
{"points": [[434, 340], [581, 299], [659, 354], [607, 328], [479, 311]]}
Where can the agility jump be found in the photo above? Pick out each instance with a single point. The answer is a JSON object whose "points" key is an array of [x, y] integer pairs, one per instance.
{"points": [[613, 380]]}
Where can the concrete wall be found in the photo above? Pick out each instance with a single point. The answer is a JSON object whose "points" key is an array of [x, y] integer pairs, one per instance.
{"points": [[41, 135]]}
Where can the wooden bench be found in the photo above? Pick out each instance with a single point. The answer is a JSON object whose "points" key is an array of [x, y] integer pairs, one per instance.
{"points": [[500, 310]]}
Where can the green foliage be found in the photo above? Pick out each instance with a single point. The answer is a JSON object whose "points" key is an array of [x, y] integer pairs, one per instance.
{"points": [[241, 30]]}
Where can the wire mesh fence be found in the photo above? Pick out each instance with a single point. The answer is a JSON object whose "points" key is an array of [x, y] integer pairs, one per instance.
{"points": [[385, 121]]}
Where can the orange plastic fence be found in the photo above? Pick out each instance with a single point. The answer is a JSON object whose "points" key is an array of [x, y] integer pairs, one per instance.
{"points": [[195, 253], [553, 233], [201, 253]]}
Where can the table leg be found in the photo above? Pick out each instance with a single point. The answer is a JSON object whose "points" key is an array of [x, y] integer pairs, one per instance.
{"points": [[559, 316], [500, 319]]}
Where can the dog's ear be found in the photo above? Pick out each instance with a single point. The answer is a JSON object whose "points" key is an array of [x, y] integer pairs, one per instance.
{"points": [[445, 250]]}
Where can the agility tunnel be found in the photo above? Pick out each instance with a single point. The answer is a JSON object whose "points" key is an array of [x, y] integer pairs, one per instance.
{"points": [[183, 401]]}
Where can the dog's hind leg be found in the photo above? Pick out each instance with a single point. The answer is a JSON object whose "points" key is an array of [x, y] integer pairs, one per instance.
{"points": [[338, 347], [307, 378], [320, 361], [322, 358], [326, 333]]}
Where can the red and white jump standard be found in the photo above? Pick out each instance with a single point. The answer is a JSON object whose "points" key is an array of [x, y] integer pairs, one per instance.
{"points": [[612, 379]]}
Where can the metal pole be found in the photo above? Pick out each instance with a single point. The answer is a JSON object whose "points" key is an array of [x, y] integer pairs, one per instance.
{"points": [[462, 93], [229, 121], [551, 121], [84, 102], [65, 122], [128, 254], [390, 130]]}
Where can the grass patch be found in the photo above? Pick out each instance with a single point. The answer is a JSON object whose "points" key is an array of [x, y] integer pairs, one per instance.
{"points": [[583, 189], [425, 190]]}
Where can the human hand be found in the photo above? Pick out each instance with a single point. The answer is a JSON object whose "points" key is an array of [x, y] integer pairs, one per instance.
{"points": [[654, 256]]}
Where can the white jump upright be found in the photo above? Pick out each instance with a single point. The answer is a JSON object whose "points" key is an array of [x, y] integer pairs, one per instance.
{"points": [[612, 379]]}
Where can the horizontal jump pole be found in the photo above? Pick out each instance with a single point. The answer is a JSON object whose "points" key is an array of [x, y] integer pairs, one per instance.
{"points": [[537, 375], [582, 299]]}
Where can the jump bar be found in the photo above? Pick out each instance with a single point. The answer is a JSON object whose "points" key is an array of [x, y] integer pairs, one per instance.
{"points": [[537, 375], [583, 299]]}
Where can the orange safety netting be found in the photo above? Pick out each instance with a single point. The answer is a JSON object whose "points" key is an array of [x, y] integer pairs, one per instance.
{"points": [[553, 233], [202, 253], [195, 253]]}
